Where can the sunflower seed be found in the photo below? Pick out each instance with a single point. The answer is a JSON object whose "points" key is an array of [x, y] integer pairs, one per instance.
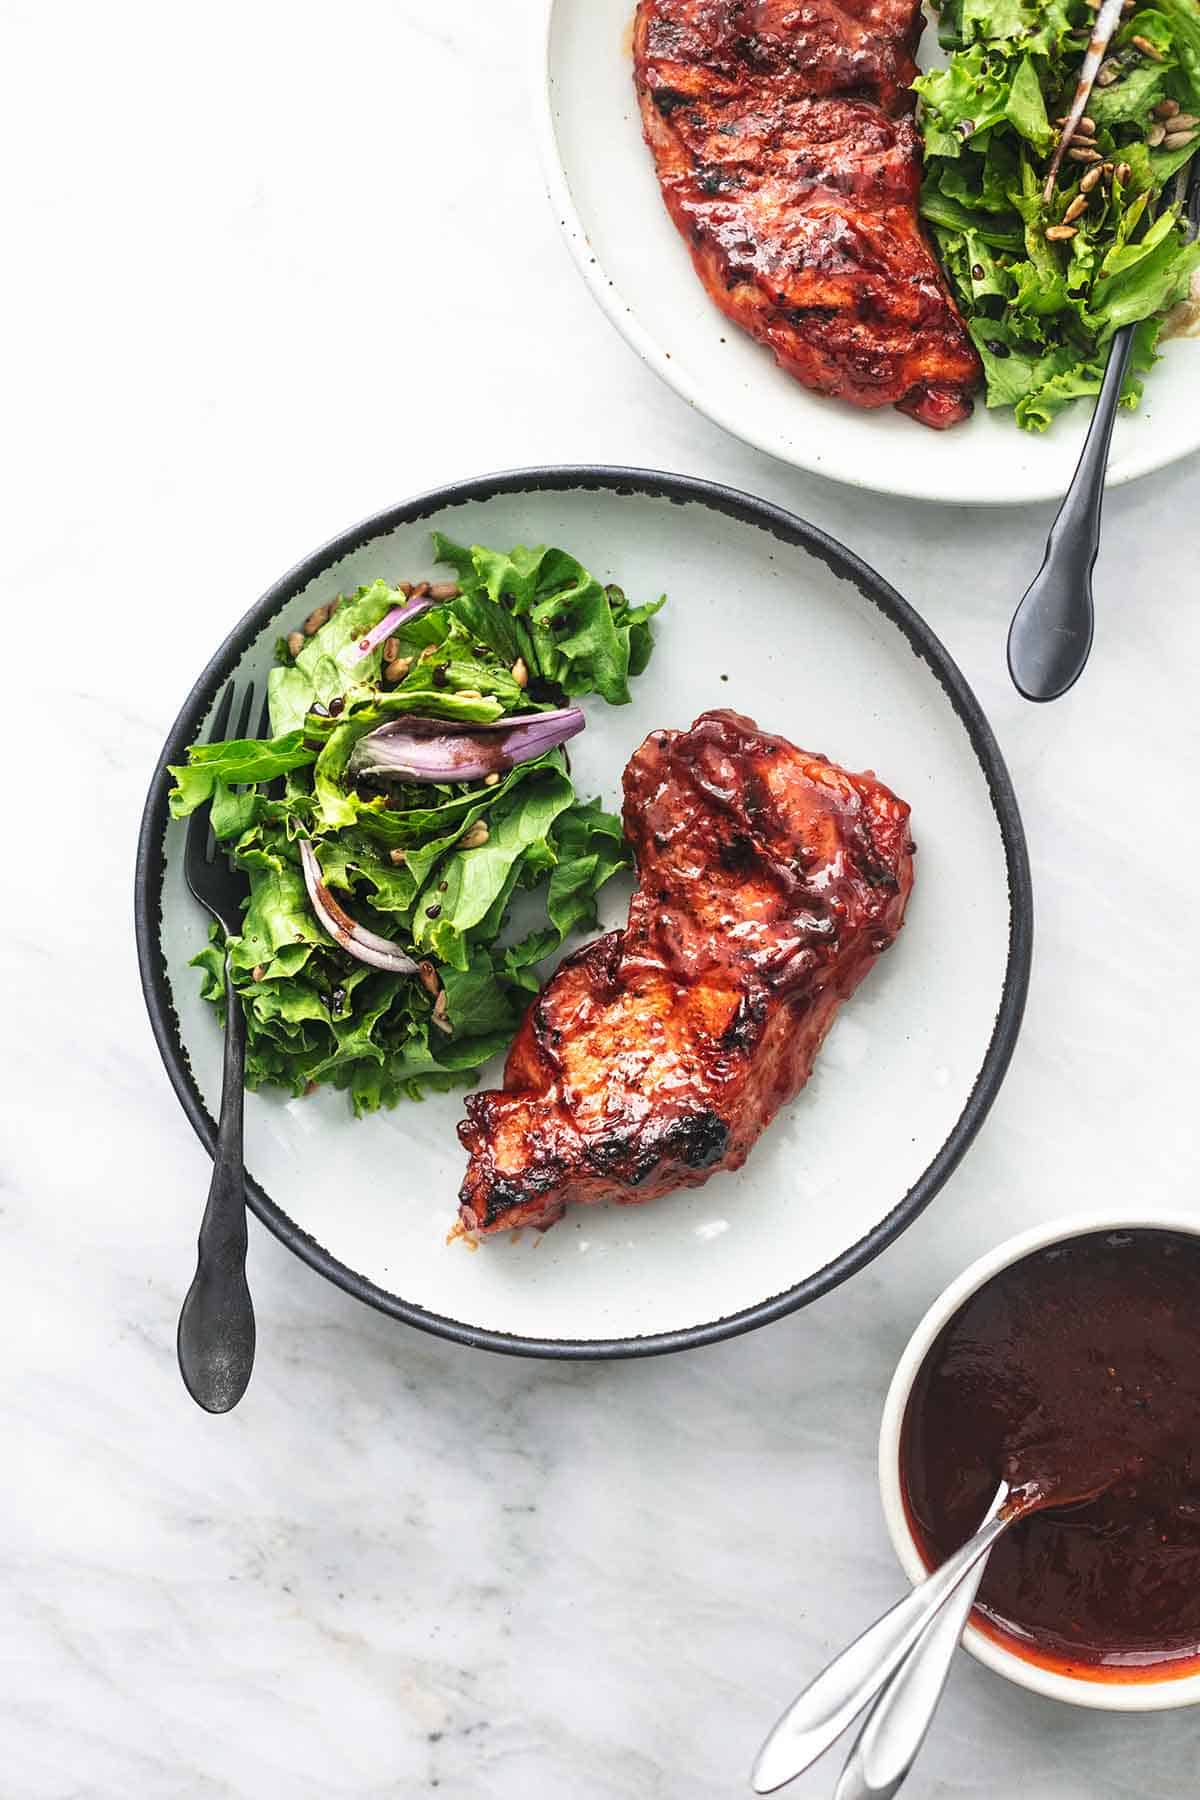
{"points": [[1089, 180], [1166, 109], [1147, 48], [396, 671], [1077, 207], [444, 590], [520, 672], [1178, 140], [492, 780], [315, 620], [398, 856], [1086, 127], [1107, 74], [1058, 234], [1182, 122], [478, 834], [1077, 153], [1155, 135], [1121, 173], [427, 976], [295, 642], [440, 1006]]}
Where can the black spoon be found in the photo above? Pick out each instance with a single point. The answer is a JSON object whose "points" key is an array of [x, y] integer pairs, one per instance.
{"points": [[1050, 638]]}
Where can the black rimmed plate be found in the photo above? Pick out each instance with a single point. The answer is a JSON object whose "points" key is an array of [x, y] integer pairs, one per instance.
{"points": [[769, 616]]}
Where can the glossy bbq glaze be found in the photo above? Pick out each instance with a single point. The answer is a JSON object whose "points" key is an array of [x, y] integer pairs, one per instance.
{"points": [[789, 160], [770, 882], [1079, 1362]]}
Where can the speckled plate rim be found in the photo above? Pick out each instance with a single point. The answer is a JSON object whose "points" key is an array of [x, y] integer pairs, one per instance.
{"points": [[150, 873]]}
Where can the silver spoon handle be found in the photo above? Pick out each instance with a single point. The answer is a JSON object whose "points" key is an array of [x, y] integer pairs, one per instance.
{"points": [[890, 1741], [822, 1712]]}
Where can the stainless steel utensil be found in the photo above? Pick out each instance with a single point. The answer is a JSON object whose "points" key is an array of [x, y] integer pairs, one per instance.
{"points": [[829, 1704], [890, 1741]]}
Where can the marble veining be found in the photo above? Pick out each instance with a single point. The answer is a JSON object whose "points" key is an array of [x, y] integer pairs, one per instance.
{"points": [[273, 274]]}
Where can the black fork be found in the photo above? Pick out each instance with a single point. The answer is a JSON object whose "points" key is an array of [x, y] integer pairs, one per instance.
{"points": [[216, 1324]]}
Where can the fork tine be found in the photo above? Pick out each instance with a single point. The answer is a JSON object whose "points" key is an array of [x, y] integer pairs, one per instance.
{"points": [[217, 885], [221, 716], [240, 730], [201, 844], [243, 724], [1191, 202], [272, 789], [220, 726]]}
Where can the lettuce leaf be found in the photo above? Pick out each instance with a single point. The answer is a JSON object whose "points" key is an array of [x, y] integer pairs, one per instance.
{"points": [[572, 632], [328, 663], [226, 765], [399, 861], [1041, 310]]}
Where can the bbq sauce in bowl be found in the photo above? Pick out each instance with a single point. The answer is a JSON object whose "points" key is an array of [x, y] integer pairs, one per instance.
{"points": [[1082, 1358]]}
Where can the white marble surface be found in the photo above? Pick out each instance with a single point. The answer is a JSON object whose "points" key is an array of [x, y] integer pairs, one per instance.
{"points": [[276, 267]]}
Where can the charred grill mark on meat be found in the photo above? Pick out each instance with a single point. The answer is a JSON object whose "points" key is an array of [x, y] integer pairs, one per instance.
{"points": [[788, 158], [769, 882]]}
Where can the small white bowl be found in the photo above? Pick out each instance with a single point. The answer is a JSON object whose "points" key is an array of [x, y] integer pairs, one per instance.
{"points": [[1143, 1693]]}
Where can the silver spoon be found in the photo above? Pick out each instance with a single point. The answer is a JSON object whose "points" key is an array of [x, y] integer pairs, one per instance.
{"points": [[840, 1692], [890, 1741], [829, 1704]]}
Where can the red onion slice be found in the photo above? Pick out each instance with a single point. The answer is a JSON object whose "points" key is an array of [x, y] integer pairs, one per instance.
{"points": [[436, 750], [367, 946], [399, 615]]}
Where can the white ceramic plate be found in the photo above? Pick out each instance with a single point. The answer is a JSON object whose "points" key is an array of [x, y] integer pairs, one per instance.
{"points": [[605, 194], [770, 617]]}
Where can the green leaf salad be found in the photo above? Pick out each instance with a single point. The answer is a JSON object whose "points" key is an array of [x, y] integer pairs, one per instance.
{"points": [[429, 865], [1042, 308]]}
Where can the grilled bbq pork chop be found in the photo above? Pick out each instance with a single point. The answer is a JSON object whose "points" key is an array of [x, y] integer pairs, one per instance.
{"points": [[789, 160], [769, 882]]}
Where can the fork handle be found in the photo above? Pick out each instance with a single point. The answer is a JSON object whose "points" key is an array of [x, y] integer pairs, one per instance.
{"points": [[216, 1324]]}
